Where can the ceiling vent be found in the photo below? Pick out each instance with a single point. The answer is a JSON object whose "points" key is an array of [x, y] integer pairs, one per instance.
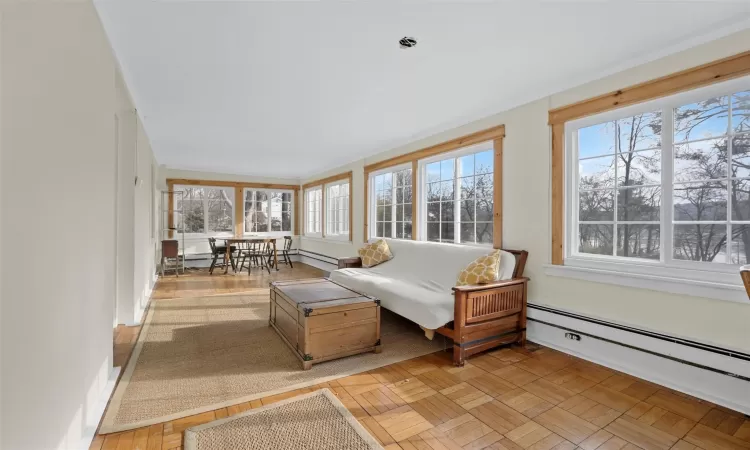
{"points": [[407, 42]]}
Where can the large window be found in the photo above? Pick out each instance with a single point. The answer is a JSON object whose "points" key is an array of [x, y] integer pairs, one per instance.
{"points": [[205, 210], [667, 180], [313, 211], [392, 204], [459, 196], [337, 209], [267, 211]]}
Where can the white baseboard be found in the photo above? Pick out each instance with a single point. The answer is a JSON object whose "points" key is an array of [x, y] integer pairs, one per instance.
{"points": [[638, 355], [322, 262], [94, 416], [319, 264]]}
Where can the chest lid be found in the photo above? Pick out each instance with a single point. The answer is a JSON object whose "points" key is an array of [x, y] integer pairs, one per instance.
{"points": [[319, 293]]}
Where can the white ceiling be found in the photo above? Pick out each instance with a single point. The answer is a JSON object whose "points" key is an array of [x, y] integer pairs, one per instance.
{"points": [[289, 89]]}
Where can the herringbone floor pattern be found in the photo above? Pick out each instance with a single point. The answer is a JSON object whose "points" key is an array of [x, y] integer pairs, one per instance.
{"points": [[508, 399]]}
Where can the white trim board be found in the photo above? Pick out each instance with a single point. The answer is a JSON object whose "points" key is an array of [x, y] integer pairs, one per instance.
{"points": [[656, 278], [92, 420], [602, 347]]}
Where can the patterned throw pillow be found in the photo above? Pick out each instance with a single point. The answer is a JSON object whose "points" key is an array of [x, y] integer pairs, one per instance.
{"points": [[375, 253], [480, 271]]}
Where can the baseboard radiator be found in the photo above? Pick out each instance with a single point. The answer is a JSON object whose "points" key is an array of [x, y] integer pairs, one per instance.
{"points": [[715, 374]]}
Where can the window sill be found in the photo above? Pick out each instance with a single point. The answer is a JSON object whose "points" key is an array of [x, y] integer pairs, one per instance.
{"points": [[697, 283], [329, 240]]}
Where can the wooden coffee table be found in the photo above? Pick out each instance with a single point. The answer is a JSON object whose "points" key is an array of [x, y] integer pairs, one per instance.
{"points": [[321, 320]]}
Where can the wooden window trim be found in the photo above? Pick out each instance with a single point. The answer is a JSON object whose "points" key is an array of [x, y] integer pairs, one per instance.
{"points": [[348, 176], [495, 134], [239, 213], [704, 75]]}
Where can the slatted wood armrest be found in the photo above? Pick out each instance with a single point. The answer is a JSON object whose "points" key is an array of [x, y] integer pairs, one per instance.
{"points": [[345, 263], [487, 315], [487, 286]]}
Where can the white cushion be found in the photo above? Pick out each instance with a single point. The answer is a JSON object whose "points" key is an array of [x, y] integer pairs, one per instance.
{"points": [[417, 283], [425, 305]]}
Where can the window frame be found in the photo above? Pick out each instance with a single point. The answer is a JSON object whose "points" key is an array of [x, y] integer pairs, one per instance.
{"points": [[322, 184], [306, 194], [372, 201], [346, 235], [666, 266], [206, 232], [422, 183], [268, 196]]}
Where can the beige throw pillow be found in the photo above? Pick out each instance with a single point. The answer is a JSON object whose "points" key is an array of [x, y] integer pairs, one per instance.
{"points": [[375, 253], [482, 270]]}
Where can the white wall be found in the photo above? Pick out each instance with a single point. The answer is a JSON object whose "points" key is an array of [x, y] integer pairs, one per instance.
{"points": [[126, 135], [330, 247], [1, 230], [136, 267], [144, 269], [57, 189], [527, 205]]}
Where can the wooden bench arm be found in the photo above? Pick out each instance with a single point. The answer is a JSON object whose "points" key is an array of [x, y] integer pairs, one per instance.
{"points": [[493, 285], [346, 263], [487, 315]]}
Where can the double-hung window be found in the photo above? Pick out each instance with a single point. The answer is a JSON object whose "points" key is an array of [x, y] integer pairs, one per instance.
{"points": [[337, 209], [391, 203], [458, 193], [205, 210], [665, 182], [313, 211], [267, 211]]}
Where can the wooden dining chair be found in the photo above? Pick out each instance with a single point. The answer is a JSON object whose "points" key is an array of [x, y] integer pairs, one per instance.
{"points": [[265, 255], [244, 254], [217, 251], [285, 251], [255, 254]]}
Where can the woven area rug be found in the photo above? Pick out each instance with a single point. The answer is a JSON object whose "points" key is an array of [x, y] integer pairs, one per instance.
{"points": [[307, 422], [199, 354]]}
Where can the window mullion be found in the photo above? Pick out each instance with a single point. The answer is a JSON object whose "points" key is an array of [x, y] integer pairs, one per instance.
{"points": [[617, 192], [205, 211], [457, 202], [393, 205], [728, 259], [421, 228], [667, 183]]}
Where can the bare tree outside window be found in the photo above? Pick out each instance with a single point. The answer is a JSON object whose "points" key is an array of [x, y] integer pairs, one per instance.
{"points": [[220, 211], [619, 184], [708, 184], [393, 204], [620, 164], [460, 191]]}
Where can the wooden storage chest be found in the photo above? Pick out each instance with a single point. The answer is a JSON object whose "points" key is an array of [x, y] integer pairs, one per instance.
{"points": [[321, 320]]}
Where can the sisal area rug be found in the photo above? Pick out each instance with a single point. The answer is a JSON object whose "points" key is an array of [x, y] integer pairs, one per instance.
{"points": [[200, 354], [308, 422]]}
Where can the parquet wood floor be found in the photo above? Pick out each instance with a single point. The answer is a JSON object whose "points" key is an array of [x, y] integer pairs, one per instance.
{"points": [[508, 399]]}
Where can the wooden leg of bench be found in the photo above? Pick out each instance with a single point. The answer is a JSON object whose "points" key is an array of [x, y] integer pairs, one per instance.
{"points": [[458, 356]]}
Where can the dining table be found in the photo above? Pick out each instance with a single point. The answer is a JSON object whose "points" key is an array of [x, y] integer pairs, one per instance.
{"points": [[240, 239]]}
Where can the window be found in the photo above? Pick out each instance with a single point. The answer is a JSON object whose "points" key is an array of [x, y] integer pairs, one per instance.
{"points": [[337, 209], [667, 180], [313, 211], [205, 210], [459, 196], [391, 204], [267, 211]]}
